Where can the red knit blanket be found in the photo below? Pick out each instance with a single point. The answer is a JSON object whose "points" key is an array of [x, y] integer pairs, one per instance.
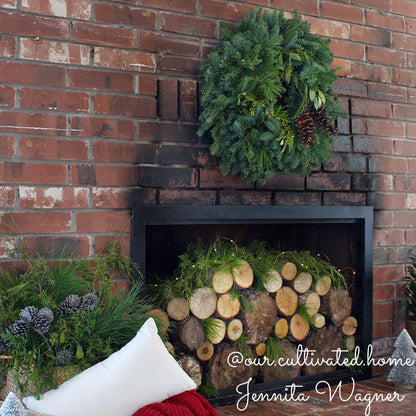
{"points": [[189, 403]]}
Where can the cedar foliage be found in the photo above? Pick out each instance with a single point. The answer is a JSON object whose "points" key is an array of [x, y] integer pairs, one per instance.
{"points": [[265, 74]]}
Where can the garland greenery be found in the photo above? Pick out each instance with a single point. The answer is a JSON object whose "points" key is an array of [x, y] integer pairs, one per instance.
{"points": [[201, 260], [268, 101]]}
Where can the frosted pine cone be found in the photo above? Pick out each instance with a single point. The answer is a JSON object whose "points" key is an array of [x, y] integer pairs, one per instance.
{"points": [[28, 314], [70, 304], [46, 313], [41, 324], [89, 301], [64, 357], [20, 328]]}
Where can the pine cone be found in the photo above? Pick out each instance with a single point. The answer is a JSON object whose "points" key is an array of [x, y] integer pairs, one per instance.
{"points": [[69, 305], [323, 120], [64, 357], [305, 128], [89, 301], [4, 344], [28, 314], [20, 328], [41, 324], [46, 313]]}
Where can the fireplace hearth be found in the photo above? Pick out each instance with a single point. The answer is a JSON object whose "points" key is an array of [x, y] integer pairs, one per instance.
{"points": [[343, 235]]}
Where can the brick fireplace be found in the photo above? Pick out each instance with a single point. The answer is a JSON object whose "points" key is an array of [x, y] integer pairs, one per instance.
{"points": [[343, 235], [99, 111]]}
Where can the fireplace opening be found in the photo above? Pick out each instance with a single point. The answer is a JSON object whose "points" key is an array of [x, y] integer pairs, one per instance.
{"points": [[341, 235]]}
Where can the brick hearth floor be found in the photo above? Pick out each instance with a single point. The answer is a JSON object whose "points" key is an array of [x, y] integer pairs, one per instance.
{"points": [[318, 405]]}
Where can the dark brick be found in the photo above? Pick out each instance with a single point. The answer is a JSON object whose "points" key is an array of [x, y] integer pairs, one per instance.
{"points": [[85, 175], [186, 197], [339, 163], [167, 177], [123, 152], [179, 65], [364, 183], [168, 132], [373, 145], [403, 254], [341, 144], [245, 198], [142, 196], [328, 182], [297, 198], [351, 87], [344, 198], [383, 219], [56, 246], [188, 100], [212, 178], [185, 155], [383, 255], [168, 99], [380, 200], [292, 182]]}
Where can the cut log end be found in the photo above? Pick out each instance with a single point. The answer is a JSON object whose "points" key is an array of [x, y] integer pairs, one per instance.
{"points": [[289, 270], [161, 318], [205, 351], [243, 275], [222, 281], [178, 309], [286, 301], [203, 302], [318, 320], [282, 372], [325, 342], [191, 333], [323, 285], [311, 301], [302, 282], [274, 281], [217, 331], [339, 305], [261, 349], [281, 328], [350, 326], [227, 306], [299, 327], [192, 367], [235, 329], [260, 323]]}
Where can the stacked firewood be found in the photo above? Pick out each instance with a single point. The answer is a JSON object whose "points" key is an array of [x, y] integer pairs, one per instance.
{"points": [[294, 307]]}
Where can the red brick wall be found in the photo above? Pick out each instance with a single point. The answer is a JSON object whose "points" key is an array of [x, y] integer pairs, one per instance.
{"points": [[99, 108]]}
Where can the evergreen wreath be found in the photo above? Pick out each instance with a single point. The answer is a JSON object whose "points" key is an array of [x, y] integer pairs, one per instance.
{"points": [[267, 101]]}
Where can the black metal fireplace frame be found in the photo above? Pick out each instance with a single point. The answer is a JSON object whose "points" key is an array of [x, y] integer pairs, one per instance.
{"points": [[144, 216]]}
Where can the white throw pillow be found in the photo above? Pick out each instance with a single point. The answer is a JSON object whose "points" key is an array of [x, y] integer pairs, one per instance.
{"points": [[140, 373]]}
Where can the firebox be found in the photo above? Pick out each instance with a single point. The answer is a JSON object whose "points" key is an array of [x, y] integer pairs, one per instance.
{"points": [[342, 235]]}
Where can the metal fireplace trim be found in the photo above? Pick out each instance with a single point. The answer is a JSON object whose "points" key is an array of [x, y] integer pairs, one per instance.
{"points": [[146, 215]]}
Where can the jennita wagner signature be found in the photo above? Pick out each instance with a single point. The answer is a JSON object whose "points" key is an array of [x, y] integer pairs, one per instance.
{"points": [[305, 357], [321, 387]]}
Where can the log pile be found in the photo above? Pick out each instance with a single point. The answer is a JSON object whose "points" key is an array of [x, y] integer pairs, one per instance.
{"points": [[232, 312]]}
